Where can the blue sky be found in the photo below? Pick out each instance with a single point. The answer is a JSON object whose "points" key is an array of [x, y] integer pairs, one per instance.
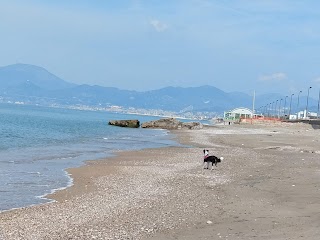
{"points": [[235, 45]]}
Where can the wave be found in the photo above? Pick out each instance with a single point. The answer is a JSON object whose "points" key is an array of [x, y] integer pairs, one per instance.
{"points": [[52, 191]]}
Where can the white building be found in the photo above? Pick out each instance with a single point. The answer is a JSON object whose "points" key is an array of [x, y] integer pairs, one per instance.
{"points": [[237, 114], [303, 115]]}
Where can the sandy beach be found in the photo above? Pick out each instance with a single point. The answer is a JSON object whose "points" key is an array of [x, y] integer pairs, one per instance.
{"points": [[267, 187]]}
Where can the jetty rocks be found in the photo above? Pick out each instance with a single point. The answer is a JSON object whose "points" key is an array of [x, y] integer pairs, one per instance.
{"points": [[171, 124], [166, 123], [125, 123]]}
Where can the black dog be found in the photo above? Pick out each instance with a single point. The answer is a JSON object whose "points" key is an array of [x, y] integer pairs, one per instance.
{"points": [[210, 159]]}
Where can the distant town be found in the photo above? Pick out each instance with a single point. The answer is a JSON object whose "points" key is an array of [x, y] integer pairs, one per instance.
{"points": [[135, 111]]}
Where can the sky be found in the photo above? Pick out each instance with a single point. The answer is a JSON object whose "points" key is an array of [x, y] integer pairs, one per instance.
{"points": [[235, 45]]}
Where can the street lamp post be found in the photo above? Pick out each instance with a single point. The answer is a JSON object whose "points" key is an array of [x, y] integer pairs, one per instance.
{"points": [[290, 105], [272, 109], [318, 104], [279, 113], [269, 109], [298, 104], [284, 108], [257, 111], [275, 108], [266, 110], [307, 103]]}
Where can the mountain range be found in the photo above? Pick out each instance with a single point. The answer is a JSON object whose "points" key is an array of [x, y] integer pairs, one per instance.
{"points": [[35, 85]]}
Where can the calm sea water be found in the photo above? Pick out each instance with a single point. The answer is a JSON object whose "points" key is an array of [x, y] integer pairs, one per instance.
{"points": [[37, 144]]}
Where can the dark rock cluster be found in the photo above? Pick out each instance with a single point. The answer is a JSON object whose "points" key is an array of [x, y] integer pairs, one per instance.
{"points": [[171, 123], [125, 123], [166, 123]]}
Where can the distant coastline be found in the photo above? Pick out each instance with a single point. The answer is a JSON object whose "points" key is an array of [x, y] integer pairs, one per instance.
{"points": [[122, 110]]}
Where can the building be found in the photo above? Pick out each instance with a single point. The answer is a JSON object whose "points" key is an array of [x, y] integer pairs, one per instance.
{"points": [[303, 115], [236, 114]]}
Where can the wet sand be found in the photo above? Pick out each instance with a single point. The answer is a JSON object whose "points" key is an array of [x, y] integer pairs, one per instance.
{"points": [[267, 187]]}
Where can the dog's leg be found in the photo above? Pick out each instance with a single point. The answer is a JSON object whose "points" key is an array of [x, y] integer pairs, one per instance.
{"points": [[203, 166], [208, 164], [214, 162], [211, 166]]}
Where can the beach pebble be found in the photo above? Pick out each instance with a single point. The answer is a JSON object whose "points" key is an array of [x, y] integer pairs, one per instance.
{"points": [[209, 222]]}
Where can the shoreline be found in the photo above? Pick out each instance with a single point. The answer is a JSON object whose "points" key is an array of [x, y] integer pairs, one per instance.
{"points": [[43, 197], [163, 193]]}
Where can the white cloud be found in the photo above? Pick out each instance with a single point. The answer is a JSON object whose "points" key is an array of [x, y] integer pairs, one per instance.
{"points": [[317, 80], [273, 77], [158, 26]]}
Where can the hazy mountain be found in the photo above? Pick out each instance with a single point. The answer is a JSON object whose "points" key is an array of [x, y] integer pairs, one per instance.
{"points": [[33, 84], [17, 75]]}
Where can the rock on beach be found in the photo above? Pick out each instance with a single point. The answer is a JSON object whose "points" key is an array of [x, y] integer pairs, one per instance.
{"points": [[125, 123], [171, 124]]}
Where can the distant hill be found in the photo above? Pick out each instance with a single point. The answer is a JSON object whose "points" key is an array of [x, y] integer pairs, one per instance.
{"points": [[35, 85], [18, 75]]}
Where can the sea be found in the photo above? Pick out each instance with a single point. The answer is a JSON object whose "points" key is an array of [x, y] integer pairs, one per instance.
{"points": [[38, 144]]}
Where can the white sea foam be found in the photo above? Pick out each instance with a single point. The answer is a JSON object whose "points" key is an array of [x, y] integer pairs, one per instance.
{"points": [[69, 184]]}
